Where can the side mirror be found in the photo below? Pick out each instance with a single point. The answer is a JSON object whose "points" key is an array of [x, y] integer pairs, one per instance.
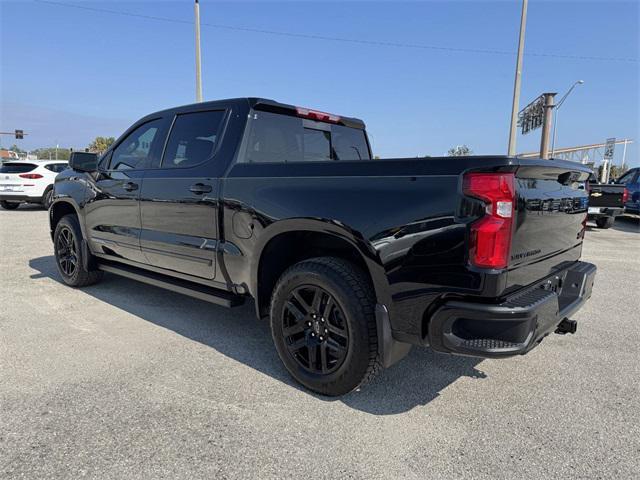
{"points": [[83, 161]]}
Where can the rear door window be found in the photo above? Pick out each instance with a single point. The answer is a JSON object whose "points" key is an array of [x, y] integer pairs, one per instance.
{"points": [[17, 167], [193, 139]]}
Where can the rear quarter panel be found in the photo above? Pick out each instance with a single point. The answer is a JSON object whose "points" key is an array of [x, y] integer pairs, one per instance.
{"points": [[401, 215]]}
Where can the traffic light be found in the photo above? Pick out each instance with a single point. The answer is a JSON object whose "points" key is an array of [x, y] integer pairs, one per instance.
{"points": [[19, 134]]}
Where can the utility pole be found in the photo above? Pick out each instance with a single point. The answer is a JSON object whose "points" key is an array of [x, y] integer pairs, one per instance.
{"points": [[516, 84], [624, 156], [198, 60], [546, 124]]}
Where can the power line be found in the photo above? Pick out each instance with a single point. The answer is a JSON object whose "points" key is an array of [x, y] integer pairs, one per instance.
{"points": [[310, 36]]}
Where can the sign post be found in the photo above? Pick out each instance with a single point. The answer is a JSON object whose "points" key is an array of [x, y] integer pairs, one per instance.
{"points": [[538, 114], [609, 150]]}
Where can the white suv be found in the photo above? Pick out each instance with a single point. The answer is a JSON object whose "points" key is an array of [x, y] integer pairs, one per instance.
{"points": [[28, 181]]}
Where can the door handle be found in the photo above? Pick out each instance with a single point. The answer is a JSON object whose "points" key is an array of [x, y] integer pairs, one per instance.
{"points": [[130, 186], [200, 188]]}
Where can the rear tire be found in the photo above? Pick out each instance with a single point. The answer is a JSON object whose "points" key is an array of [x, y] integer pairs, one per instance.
{"points": [[323, 325], [9, 205], [70, 261], [605, 222]]}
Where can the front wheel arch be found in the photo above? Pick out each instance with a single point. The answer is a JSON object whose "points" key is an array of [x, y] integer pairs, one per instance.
{"points": [[60, 208]]}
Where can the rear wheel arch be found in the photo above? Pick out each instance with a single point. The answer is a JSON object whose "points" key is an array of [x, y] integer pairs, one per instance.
{"points": [[290, 247]]}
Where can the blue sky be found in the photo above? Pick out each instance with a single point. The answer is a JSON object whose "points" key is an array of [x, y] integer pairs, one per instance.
{"points": [[69, 74]]}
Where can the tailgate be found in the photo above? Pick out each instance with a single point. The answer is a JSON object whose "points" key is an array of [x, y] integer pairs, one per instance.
{"points": [[549, 222], [604, 195], [10, 180], [10, 183]]}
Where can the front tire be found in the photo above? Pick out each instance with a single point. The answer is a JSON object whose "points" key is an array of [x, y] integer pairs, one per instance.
{"points": [[605, 222], [47, 199], [9, 205], [323, 325], [67, 244]]}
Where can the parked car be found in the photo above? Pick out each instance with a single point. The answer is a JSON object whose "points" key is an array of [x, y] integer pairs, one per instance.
{"points": [[28, 182], [352, 259], [631, 180], [606, 202]]}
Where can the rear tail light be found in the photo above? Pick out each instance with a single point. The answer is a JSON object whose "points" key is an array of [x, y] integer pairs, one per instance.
{"points": [[30, 176], [317, 115], [490, 243], [625, 196]]}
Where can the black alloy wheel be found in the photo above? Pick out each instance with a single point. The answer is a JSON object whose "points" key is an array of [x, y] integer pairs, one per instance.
{"points": [[66, 252], [315, 330], [323, 325], [75, 269]]}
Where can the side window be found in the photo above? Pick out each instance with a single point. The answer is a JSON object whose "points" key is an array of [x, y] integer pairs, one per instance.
{"points": [[627, 177], [134, 151], [193, 139], [56, 167]]}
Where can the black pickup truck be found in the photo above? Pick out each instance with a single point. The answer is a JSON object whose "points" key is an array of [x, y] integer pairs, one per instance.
{"points": [[606, 201], [352, 259]]}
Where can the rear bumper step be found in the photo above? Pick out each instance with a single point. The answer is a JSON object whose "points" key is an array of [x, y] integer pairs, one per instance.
{"points": [[516, 325], [201, 292]]}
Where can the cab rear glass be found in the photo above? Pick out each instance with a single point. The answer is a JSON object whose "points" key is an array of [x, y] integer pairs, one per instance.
{"points": [[276, 138], [10, 167]]}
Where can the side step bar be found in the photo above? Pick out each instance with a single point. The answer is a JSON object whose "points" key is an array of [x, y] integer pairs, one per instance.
{"points": [[202, 292]]}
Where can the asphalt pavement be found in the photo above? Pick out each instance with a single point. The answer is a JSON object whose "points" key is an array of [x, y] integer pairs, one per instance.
{"points": [[124, 380]]}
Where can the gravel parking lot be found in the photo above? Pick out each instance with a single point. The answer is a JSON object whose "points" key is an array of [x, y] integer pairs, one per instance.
{"points": [[124, 380]]}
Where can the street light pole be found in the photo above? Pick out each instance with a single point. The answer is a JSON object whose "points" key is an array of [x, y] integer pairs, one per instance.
{"points": [[198, 60], [516, 84], [555, 120]]}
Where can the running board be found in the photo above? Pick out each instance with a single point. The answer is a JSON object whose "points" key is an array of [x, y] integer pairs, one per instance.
{"points": [[201, 292]]}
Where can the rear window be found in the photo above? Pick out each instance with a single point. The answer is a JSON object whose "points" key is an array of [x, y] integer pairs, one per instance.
{"points": [[274, 138], [17, 167]]}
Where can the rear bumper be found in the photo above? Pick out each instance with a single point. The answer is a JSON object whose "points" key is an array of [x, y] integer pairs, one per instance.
{"points": [[516, 325], [19, 198], [605, 212]]}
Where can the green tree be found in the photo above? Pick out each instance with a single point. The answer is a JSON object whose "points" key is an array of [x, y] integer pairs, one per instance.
{"points": [[100, 144], [615, 172], [50, 153], [459, 151], [17, 149]]}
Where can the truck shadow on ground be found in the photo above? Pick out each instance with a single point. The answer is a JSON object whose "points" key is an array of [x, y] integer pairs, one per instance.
{"points": [[623, 223], [236, 333], [627, 223]]}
